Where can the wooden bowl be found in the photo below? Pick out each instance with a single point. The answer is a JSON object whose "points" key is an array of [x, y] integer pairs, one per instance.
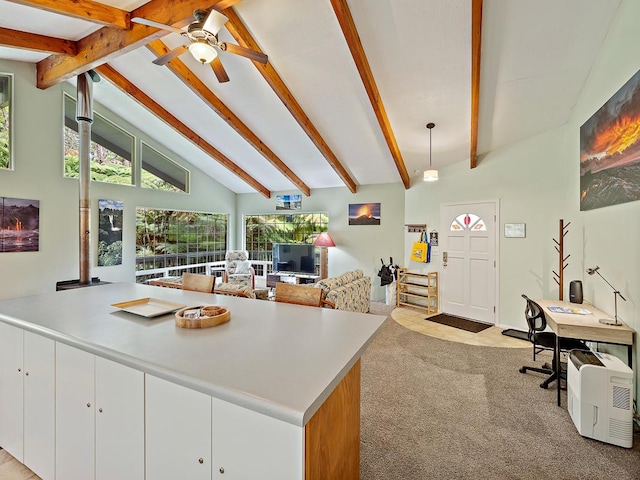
{"points": [[209, 316]]}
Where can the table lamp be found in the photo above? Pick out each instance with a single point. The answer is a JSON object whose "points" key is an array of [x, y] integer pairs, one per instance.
{"points": [[616, 294], [323, 241]]}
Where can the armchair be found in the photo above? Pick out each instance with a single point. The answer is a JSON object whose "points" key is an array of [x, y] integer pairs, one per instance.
{"points": [[238, 270]]}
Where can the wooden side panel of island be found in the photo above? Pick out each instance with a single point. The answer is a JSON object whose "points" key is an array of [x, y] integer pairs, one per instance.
{"points": [[332, 436]]}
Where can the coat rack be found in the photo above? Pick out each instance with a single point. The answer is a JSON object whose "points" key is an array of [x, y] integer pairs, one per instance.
{"points": [[562, 260]]}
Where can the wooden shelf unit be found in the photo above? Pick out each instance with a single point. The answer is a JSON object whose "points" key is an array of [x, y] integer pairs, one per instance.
{"points": [[418, 290]]}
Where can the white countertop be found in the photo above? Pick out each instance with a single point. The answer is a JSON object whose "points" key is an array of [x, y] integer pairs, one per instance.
{"points": [[278, 359]]}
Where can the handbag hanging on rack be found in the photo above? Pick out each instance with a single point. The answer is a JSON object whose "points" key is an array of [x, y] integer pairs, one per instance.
{"points": [[421, 250]]}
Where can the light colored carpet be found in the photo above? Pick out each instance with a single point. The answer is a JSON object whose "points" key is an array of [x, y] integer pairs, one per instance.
{"points": [[438, 409]]}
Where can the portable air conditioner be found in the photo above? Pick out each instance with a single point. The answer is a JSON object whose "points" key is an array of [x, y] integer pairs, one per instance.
{"points": [[599, 397]]}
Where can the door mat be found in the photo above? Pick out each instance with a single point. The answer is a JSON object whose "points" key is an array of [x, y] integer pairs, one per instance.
{"points": [[512, 332], [459, 322]]}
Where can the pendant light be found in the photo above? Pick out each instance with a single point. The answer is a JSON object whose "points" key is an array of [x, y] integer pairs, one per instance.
{"points": [[430, 175]]}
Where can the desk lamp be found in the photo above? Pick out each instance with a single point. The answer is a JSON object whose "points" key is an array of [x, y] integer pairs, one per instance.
{"points": [[616, 293]]}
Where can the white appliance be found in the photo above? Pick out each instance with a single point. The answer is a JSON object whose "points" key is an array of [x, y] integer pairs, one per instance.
{"points": [[599, 397]]}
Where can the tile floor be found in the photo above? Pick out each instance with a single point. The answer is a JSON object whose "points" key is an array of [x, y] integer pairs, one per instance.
{"points": [[491, 337]]}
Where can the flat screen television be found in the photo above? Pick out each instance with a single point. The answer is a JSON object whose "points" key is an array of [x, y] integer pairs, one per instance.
{"points": [[294, 257]]}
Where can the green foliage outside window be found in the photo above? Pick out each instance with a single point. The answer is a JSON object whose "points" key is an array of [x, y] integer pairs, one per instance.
{"points": [[262, 231], [5, 119], [169, 238]]}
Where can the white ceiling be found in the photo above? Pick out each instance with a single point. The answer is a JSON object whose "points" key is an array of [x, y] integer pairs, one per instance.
{"points": [[535, 59]]}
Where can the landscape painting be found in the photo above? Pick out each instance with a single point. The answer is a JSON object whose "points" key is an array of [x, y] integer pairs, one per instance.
{"points": [[110, 238], [364, 214], [610, 150], [19, 225]]}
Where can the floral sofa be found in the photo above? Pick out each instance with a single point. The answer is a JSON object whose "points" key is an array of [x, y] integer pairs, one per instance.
{"points": [[350, 291]]}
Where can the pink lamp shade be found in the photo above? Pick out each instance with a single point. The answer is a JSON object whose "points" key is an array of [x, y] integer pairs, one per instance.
{"points": [[323, 240]]}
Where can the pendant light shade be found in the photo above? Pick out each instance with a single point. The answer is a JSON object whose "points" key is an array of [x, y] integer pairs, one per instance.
{"points": [[430, 175], [202, 51]]}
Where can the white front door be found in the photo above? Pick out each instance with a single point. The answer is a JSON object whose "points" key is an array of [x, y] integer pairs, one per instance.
{"points": [[469, 273]]}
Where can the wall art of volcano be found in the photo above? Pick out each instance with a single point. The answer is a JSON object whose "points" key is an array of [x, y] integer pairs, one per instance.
{"points": [[610, 150], [364, 214], [19, 225]]}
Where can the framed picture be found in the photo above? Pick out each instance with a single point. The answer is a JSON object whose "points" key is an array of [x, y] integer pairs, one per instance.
{"points": [[610, 150], [19, 225], [515, 230], [288, 202], [110, 237], [364, 214]]}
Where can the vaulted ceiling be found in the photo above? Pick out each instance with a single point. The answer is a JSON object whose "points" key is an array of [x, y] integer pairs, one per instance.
{"points": [[348, 87]]}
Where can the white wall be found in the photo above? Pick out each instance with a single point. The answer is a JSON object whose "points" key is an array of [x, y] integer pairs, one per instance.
{"points": [[529, 180], [38, 162], [611, 235], [356, 246]]}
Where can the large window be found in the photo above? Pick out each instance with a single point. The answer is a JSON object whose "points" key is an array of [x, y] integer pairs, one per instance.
{"points": [[5, 120], [170, 238], [160, 173], [111, 148], [262, 231]]}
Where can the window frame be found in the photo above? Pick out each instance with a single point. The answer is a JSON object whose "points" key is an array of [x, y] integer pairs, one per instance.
{"points": [[187, 172], [113, 124], [11, 81]]}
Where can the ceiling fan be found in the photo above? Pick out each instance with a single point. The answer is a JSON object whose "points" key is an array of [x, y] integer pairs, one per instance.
{"points": [[203, 42]]}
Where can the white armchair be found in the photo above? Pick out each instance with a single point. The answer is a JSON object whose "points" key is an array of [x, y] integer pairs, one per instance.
{"points": [[238, 269]]}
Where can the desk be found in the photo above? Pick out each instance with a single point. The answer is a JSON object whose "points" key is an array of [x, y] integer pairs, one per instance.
{"points": [[584, 327]]}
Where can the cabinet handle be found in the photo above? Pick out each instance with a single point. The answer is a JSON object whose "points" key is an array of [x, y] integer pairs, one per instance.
{"points": [[88, 405], [19, 370], [221, 469], [26, 373], [201, 460], [100, 409]]}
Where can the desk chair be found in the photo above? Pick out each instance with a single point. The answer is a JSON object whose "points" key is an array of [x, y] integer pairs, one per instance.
{"points": [[298, 294], [545, 340], [197, 282]]}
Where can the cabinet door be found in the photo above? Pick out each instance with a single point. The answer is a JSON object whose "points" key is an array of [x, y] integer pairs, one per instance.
{"points": [[178, 431], [74, 413], [11, 398], [248, 444], [39, 405], [119, 421]]}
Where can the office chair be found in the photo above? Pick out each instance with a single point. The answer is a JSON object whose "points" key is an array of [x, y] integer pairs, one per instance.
{"points": [[540, 339]]}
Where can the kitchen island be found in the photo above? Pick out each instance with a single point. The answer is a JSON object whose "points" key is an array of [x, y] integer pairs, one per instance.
{"points": [[273, 393]]}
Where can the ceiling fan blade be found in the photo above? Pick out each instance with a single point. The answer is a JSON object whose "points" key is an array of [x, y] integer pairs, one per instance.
{"points": [[170, 55], [218, 69], [244, 52], [162, 26]]}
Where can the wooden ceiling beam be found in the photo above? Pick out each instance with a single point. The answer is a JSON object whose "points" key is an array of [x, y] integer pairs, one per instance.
{"points": [[241, 34], [84, 9], [39, 43], [348, 26], [198, 87], [109, 43], [126, 86], [476, 47]]}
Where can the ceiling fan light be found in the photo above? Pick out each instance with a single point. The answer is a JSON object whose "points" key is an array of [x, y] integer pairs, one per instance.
{"points": [[214, 22], [203, 52], [430, 175]]}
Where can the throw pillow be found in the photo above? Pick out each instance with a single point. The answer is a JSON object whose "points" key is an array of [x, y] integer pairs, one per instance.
{"points": [[243, 267]]}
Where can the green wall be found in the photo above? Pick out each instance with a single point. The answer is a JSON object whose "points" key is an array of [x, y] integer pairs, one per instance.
{"points": [[38, 174]]}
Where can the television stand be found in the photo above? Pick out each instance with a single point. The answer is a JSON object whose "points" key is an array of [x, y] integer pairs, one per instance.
{"points": [[291, 277]]}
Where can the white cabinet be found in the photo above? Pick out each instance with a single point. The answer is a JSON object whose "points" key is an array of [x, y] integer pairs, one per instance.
{"points": [[11, 398], [99, 417], [178, 431], [27, 418], [248, 444]]}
